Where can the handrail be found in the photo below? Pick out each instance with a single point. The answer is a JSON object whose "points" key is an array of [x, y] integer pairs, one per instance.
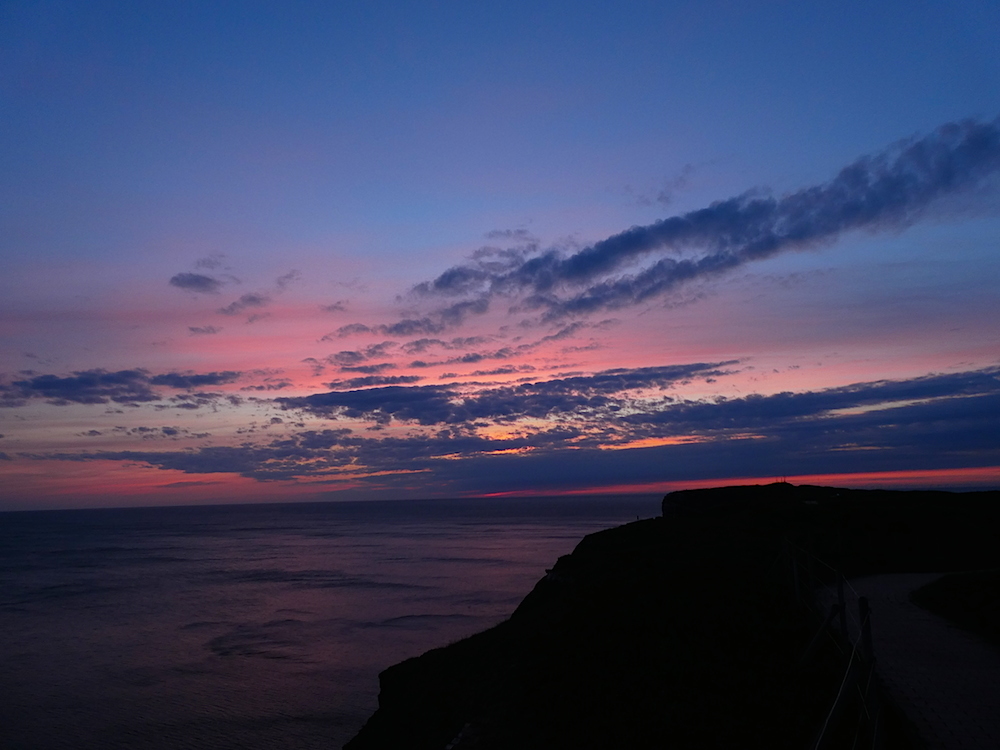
{"points": [[859, 680]]}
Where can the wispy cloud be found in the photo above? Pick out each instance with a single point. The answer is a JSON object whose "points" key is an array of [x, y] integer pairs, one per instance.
{"points": [[194, 380], [144, 432], [884, 191], [196, 282], [204, 330], [368, 381], [285, 280], [248, 300], [211, 262]]}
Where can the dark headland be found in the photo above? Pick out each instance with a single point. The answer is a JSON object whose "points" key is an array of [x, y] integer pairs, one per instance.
{"points": [[683, 631]]}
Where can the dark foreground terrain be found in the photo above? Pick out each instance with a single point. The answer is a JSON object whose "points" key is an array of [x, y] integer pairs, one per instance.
{"points": [[680, 631], [970, 599]]}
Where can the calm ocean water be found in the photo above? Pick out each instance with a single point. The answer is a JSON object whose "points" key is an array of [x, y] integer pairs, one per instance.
{"points": [[252, 626]]}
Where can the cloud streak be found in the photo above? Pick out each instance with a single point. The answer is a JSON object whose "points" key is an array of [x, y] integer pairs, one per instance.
{"points": [[885, 191], [102, 387], [204, 330]]}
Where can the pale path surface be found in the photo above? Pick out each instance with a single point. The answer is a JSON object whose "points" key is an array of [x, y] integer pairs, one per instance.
{"points": [[946, 680]]}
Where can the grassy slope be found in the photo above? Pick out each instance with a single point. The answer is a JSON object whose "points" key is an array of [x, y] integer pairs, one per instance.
{"points": [[680, 631], [970, 599]]}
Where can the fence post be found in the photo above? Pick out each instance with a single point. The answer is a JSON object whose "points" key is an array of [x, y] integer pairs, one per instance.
{"points": [[843, 608]]}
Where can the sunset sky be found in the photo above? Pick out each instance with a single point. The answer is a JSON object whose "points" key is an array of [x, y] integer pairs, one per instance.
{"points": [[264, 251]]}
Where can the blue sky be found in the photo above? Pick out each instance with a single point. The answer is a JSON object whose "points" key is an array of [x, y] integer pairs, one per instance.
{"points": [[318, 163]]}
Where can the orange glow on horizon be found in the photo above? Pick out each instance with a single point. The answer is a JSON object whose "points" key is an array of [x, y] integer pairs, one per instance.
{"points": [[983, 478]]}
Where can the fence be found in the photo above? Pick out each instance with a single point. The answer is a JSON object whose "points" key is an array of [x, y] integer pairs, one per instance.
{"points": [[822, 588]]}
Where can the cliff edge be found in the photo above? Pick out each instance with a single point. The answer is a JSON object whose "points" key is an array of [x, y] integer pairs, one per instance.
{"points": [[678, 631]]}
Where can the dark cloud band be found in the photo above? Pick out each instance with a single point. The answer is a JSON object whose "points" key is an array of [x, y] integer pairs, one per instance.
{"points": [[102, 387], [441, 404], [936, 422]]}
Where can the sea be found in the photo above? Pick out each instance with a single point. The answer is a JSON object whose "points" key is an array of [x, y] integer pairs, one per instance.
{"points": [[253, 626]]}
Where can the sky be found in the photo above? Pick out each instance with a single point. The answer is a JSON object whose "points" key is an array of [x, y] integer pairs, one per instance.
{"points": [[261, 251]]}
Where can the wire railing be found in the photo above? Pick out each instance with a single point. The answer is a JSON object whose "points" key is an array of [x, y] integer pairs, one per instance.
{"points": [[845, 617]]}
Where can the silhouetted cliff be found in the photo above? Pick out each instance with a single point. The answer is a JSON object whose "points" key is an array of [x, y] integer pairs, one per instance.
{"points": [[679, 631]]}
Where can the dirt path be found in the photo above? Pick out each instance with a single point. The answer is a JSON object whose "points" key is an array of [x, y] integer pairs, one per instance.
{"points": [[944, 679]]}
